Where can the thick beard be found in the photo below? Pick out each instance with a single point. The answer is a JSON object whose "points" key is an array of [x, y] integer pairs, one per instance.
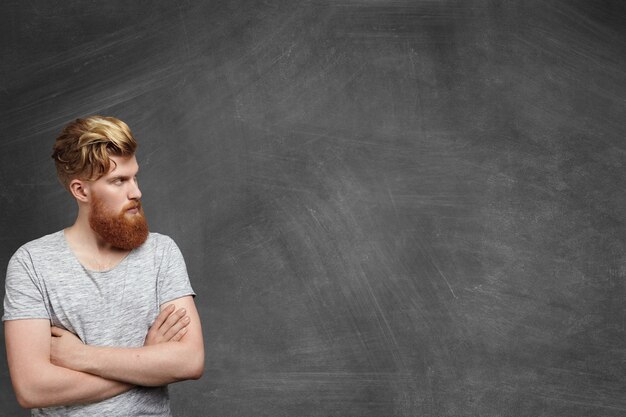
{"points": [[120, 231]]}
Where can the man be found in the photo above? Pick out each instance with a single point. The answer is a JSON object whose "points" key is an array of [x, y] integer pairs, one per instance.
{"points": [[100, 317]]}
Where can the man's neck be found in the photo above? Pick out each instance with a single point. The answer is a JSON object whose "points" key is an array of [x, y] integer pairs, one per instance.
{"points": [[90, 250]]}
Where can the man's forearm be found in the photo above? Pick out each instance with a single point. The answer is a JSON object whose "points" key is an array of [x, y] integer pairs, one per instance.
{"points": [[37, 382], [179, 355], [148, 365], [55, 386]]}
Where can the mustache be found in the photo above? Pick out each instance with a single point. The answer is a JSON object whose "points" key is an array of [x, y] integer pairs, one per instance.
{"points": [[132, 205]]}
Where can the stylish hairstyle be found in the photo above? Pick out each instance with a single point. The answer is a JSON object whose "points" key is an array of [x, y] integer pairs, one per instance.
{"points": [[84, 146]]}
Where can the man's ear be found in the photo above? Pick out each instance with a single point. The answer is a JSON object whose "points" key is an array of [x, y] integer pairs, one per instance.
{"points": [[79, 189]]}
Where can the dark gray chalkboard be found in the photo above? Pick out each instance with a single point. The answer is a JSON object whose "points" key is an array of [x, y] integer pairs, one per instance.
{"points": [[388, 208]]}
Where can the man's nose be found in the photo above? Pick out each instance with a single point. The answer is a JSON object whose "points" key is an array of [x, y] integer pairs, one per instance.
{"points": [[134, 192]]}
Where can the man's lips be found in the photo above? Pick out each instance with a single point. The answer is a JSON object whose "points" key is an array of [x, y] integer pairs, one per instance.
{"points": [[133, 209]]}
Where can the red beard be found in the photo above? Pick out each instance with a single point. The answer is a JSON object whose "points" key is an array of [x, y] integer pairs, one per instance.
{"points": [[120, 231]]}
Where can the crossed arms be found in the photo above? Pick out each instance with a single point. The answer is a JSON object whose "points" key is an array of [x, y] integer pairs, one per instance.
{"points": [[51, 366]]}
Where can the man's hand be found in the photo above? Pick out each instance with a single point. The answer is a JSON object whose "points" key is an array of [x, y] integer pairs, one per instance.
{"points": [[66, 349], [170, 325]]}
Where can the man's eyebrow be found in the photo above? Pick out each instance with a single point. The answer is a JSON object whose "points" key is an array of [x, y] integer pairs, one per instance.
{"points": [[120, 177]]}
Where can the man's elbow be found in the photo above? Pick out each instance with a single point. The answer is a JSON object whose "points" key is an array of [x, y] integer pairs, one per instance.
{"points": [[32, 394], [24, 401], [194, 367], [27, 398], [32, 388], [197, 368]]}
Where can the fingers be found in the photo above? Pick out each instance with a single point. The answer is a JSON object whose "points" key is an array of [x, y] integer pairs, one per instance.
{"points": [[172, 319], [176, 322], [179, 335], [163, 316], [168, 326]]}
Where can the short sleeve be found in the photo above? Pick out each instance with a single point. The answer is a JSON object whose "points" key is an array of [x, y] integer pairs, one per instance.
{"points": [[23, 298], [173, 280]]}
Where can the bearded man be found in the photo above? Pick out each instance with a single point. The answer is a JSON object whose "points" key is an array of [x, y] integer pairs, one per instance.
{"points": [[100, 317]]}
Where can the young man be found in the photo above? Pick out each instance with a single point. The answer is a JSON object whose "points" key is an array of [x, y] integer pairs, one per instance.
{"points": [[100, 317]]}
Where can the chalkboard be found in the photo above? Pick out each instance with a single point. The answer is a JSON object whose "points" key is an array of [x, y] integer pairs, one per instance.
{"points": [[387, 208]]}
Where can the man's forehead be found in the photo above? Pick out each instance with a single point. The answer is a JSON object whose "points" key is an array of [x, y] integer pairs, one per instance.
{"points": [[123, 165]]}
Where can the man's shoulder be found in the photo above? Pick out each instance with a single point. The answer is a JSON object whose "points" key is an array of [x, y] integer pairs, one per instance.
{"points": [[157, 243], [50, 242], [157, 248], [158, 239]]}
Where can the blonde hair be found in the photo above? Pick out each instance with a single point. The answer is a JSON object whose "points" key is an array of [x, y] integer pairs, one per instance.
{"points": [[83, 148]]}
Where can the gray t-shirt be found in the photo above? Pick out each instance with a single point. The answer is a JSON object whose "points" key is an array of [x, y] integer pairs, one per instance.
{"points": [[116, 307]]}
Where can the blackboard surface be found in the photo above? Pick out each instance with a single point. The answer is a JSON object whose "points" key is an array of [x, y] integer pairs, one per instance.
{"points": [[387, 208]]}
